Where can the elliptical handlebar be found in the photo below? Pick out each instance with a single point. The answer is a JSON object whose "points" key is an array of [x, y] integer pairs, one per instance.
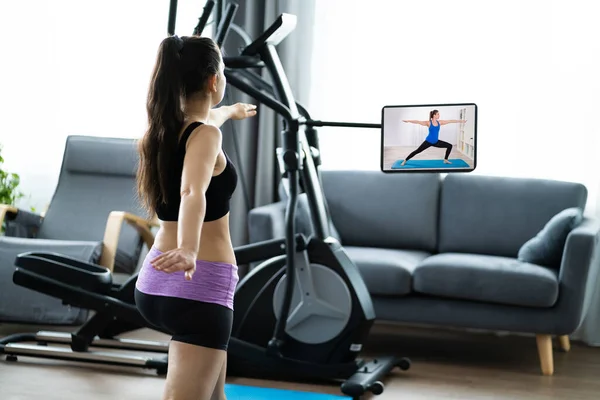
{"points": [[225, 23], [208, 7], [172, 17], [243, 62], [267, 99]]}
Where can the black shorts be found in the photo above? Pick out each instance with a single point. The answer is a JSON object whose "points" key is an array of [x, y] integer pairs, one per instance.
{"points": [[188, 321]]}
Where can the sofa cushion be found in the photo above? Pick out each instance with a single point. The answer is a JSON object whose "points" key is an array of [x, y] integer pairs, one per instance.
{"points": [[483, 278], [386, 272], [547, 247], [373, 209], [497, 215]]}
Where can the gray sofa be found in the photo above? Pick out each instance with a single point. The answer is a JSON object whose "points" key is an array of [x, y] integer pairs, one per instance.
{"points": [[462, 251]]}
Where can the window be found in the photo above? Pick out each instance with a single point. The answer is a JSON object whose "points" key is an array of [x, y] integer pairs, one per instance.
{"points": [[76, 68], [531, 67]]}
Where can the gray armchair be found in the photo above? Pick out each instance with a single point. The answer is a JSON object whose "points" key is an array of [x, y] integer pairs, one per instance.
{"points": [[94, 216]]}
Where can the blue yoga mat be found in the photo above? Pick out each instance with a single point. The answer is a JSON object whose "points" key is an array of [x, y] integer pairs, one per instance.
{"points": [[241, 392], [411, 164]]}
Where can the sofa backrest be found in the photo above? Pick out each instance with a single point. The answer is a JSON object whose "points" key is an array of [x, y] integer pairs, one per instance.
{"points": [[370, 208], [303, 218], [497, 215]]}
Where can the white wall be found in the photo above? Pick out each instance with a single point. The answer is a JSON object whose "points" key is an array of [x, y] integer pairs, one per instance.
{"points": [[519, 61], [399, 133], [73, 67]]}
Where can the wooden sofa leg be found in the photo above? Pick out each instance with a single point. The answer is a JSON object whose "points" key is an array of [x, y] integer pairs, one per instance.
{"points": [[564, 342], [544, 346]]}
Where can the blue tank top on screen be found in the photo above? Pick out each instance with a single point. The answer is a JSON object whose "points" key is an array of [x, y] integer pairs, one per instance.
{"points": [[434, 133]]}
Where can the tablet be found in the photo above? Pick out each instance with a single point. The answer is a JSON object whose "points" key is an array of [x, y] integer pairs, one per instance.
{"points": [[429, 138]]}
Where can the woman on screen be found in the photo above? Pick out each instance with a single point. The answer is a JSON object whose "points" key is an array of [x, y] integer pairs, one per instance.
{"points": [[432, 139]]}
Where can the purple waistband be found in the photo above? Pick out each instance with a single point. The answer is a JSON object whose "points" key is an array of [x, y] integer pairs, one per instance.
{"points": [[213, 282]]}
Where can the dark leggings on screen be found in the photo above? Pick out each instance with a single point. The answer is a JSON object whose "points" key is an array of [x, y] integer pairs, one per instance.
{"points": [[425, 145]]}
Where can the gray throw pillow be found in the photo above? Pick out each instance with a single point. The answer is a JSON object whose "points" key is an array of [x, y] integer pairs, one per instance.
{"points": [[547, 247]]}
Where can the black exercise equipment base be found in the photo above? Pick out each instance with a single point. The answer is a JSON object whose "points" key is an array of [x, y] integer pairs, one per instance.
{"points": [[363, 376], [19, 345], [116, 313]]}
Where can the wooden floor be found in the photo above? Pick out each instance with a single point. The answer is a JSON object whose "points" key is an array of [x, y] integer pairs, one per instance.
{"points": [[446, 365], [391, 154]]}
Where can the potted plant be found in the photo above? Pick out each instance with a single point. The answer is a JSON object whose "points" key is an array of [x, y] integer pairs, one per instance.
{"points": [[9, 187]]}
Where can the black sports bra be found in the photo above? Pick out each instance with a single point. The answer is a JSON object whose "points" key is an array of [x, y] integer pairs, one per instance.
{"points": [[218, 193]]}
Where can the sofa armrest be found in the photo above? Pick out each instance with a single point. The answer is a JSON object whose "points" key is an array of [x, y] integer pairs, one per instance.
{"points": [[19, 223], [6, 209], [578, 274], [115, 222], [266, 222]]}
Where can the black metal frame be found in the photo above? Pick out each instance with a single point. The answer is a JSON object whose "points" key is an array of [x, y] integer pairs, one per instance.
{"points": [[173, 16], [224, 23], [89, 286], [294, 143], [208, 7], [301, 156], [47, 273]]}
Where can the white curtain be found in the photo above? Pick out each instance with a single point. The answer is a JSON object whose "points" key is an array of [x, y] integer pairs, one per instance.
{"points": [[530, 65], [72, 67]]}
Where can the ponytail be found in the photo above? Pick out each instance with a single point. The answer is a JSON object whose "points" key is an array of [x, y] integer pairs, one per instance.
{"points": [[165, 118], [432, 113], [179, 73]]}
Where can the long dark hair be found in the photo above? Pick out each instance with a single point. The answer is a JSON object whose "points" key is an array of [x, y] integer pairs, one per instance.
{"points": [[432, 113], [183, 66]]}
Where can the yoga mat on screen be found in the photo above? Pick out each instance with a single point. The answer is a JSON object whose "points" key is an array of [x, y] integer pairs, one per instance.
{"points": [[411, 164]]}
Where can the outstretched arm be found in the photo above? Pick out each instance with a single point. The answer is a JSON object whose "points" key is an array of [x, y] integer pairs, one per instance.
{"points": [[218, 116], [451, 121], [413, 121]]}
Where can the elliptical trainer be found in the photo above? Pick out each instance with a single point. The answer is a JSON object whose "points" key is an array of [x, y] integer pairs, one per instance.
{"points": [[305, 312]]}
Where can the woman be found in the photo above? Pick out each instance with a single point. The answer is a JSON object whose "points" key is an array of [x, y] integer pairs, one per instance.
{"points": [[432, 140], [187, 281]]}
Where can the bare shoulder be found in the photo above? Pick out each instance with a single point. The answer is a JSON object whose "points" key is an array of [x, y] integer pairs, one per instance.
{"points": [[203, 137]]}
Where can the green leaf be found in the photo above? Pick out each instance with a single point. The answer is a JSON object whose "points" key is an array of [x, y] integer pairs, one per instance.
{"points": [[9, 185]]}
